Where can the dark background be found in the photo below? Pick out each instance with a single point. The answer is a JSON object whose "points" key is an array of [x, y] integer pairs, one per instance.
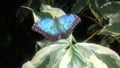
{"points": [[17, 40], [16, 44]]}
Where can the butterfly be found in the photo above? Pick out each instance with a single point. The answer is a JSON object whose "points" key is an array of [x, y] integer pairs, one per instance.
{"points": [[58, 28]]}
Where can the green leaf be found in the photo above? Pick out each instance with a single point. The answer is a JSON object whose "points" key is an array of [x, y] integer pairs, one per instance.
{"points": [[78, 6], [45, 55], [55, 58], [110, 8], [93, 5], [105, 58], [99, 3], [73, 59], [55, 12], [46, 12], [113, 28], [104, 54], [61, 54], [115, 18], [38, 15]]}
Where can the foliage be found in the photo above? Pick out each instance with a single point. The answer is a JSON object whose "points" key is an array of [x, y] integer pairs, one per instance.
{"points": [[64, 54], [81, 55]]}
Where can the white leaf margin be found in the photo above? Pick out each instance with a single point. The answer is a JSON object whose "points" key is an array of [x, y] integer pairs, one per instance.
{"points": [[95, 48], [101, 50]]}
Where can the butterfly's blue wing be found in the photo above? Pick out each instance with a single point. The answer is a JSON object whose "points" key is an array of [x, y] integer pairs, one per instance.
{"points": [[47, 28], [54, 29], [67, 23]]}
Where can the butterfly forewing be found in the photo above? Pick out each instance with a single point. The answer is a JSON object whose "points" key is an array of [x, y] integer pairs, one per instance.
{"points": [[47, 28], [67, 24]]}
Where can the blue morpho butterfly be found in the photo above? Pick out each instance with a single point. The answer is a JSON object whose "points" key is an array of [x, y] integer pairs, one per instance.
{"points": [[54, 29]]}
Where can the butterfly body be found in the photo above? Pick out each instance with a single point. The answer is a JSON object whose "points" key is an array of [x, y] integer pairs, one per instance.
{"points": [[54, 29]]}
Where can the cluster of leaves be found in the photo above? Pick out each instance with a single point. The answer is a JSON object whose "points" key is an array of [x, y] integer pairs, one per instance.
{"points": [[81, 55], [62, 54], [105, 15]]}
